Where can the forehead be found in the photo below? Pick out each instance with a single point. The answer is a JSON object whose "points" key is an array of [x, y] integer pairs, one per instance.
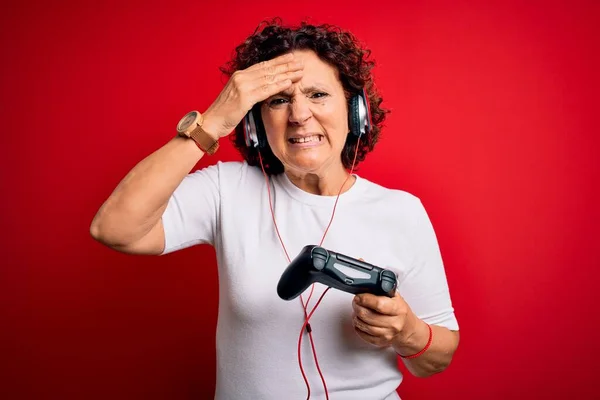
{"points": [[316, 71]]}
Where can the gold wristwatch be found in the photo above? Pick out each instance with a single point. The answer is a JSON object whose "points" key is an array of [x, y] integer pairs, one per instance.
{"points": [[190, 126]]}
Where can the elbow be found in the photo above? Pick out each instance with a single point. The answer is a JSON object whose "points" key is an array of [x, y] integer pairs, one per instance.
{"points": [[95, 232], [100, 231]]}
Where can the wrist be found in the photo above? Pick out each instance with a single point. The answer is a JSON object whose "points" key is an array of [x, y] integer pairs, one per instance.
{"points": [[417, 340], [213, 126]]}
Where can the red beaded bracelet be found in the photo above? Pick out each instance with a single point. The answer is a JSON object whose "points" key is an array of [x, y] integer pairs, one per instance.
{"points": [[424, 348]]}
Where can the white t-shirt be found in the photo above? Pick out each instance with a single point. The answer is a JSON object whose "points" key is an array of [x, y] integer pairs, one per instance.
{"points": [[226, 205]]}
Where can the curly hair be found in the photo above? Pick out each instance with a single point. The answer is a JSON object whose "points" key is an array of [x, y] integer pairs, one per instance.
{"points": [[333, 45]]}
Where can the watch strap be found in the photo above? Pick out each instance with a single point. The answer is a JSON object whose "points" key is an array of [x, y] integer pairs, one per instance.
{"points": [[206, 142]]}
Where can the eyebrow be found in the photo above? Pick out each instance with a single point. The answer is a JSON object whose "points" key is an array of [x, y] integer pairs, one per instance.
{"points": [[313, 88]]}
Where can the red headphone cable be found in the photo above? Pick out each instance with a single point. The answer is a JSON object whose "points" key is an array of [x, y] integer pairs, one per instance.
{"points": [[306, 324]]}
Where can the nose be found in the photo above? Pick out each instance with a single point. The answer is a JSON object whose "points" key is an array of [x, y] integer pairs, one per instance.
{"points": [[299, 112]]}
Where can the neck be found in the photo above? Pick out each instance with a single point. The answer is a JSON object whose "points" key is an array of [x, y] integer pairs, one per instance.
{"points": [[323, 184]]}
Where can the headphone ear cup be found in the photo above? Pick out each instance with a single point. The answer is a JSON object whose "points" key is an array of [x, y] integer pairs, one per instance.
{"points": [[359, 114], [249, 129], [254, 130], [261, 136], [354, 115], [368, 122]]}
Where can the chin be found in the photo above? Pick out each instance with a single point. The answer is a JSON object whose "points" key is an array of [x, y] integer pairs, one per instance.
{"points": [[305, 163]]}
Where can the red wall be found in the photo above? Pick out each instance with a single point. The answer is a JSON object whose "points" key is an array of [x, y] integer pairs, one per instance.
{"points": [[494, 125]]}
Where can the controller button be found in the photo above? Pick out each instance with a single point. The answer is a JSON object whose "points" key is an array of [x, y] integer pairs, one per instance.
{"points": [[320, 257], [319, 251], [388, 274]]}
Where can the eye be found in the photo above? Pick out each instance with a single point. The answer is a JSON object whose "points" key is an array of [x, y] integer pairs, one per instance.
{"points": [[277, 102], [319, 95]]}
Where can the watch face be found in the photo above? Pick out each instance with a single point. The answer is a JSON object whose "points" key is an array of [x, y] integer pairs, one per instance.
{"points": [[187, 121]]}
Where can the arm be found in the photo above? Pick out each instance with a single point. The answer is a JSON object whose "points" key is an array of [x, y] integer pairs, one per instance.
{"points": [[130, 219]]}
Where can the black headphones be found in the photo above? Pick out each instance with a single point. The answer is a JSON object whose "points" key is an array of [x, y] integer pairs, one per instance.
{"points": [[359, 121]]}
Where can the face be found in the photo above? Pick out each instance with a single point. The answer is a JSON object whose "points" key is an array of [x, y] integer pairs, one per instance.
{"points": [[307, 124]]}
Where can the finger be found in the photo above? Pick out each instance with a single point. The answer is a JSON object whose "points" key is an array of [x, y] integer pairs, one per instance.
{"points": [[294, 76], [365, 327], [381, 304], [282, 59], [373, 318], [267, 90], [369, 338], [268, 70], [274, 74]]}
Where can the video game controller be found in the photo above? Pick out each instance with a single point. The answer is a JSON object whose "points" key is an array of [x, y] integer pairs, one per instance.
{"points": [[317, 264]]}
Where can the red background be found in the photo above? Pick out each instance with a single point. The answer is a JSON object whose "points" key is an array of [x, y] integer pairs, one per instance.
{"points": [[494, 125]]}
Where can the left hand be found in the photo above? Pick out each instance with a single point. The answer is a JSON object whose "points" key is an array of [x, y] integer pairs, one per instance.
{"points": [[383, 321]]}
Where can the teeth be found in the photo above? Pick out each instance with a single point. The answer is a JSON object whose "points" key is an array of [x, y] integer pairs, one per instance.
{"points": [[314, 138]]}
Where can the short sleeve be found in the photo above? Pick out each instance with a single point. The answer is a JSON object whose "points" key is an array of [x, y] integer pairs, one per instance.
{"points": [[425, 287], [192, 213]]}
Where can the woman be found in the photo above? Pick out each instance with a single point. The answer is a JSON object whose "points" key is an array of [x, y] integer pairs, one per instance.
{"points": [[289, 97]]}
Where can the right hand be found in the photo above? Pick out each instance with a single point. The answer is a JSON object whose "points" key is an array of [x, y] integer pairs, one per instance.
{"points": [[248, 87]]}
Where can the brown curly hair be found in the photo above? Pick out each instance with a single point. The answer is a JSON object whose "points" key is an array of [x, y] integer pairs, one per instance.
{"points": [[333, 45]]}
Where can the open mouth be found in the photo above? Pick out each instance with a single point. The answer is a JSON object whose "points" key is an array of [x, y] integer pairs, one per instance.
{"points": [[306, 139]]}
